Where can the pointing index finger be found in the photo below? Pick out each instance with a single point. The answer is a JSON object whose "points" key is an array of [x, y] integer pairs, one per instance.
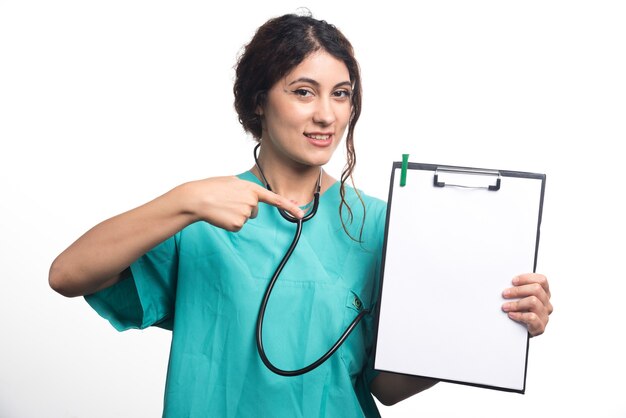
{"points": [[271, 198]]}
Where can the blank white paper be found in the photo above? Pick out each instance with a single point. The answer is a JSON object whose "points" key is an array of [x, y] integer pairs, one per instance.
{"points": [[450, 252]]}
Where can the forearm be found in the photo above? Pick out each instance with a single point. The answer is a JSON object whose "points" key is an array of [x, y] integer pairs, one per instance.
{"points": [[96, 260], [390, 388]]}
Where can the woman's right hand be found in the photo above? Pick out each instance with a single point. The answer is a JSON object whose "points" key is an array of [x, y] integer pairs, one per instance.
{"points": [[97, 259], [228, 202]]}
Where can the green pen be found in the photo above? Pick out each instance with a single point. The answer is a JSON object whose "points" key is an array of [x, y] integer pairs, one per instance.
{"points": [[405, 164]]}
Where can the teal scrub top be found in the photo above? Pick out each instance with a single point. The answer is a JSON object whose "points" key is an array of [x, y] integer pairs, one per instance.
{"points": [[206, 285]]}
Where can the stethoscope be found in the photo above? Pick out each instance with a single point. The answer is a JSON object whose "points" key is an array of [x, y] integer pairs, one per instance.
{"points": [[259, 324]]}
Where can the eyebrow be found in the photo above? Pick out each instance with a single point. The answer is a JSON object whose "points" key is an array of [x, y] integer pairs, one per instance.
{"points": [[316, 84]]}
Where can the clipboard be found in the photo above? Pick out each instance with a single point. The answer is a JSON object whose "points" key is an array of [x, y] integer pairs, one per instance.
{"points": [[454, 239]]}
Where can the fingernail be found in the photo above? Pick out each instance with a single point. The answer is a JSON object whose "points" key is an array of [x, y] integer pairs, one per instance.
{"points": [[514, 316], [506, 293], [506, 307]]}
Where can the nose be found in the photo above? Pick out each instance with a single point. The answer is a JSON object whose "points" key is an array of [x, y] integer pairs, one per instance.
{"points": [[324, 112]]}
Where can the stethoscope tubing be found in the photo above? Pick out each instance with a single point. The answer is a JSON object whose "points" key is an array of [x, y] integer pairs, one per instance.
{"points": [[270, 287]]}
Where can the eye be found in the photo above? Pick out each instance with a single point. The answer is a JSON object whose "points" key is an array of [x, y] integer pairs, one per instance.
{"points": [[342, 94], [302, 92]]}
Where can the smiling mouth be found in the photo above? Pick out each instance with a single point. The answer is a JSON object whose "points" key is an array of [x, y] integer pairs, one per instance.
{"points": [[318, 137]]}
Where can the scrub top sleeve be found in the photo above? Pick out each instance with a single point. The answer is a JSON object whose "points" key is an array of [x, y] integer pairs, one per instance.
{"points": [[369, 372], [379, 212], [146, 293]]}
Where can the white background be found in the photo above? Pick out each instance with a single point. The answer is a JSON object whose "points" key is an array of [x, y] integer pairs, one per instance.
{"points": [[107, 104]]}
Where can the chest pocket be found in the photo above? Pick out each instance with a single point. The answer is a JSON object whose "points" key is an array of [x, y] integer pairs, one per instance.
{"points": [[304, 320], [323, 287]]}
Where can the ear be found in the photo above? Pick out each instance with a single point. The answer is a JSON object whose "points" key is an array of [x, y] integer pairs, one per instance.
{"points": [[259, 99]]}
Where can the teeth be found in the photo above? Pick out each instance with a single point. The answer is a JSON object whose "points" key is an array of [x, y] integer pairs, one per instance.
{"points": [[319, 137]]}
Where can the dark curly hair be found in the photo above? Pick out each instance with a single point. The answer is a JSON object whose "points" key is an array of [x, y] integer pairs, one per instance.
{"points": [[279, 46]]}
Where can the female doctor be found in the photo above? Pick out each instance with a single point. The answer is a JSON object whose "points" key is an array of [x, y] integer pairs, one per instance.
{"points": [[197, 260]]}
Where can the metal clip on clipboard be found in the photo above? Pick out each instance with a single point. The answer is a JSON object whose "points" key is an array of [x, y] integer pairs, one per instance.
{"points": [[459, 174]]}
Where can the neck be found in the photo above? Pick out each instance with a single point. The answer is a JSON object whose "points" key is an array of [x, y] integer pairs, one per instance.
{"points": [[296, 183]]}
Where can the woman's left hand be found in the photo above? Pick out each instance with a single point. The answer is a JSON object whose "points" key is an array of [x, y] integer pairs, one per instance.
{"points": [[533, 307]]}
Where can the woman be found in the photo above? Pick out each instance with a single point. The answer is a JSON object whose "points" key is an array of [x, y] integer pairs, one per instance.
{"points": [[197, 260]]}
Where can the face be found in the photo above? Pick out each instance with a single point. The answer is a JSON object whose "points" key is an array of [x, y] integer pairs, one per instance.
{"points": [[306, 112]]}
